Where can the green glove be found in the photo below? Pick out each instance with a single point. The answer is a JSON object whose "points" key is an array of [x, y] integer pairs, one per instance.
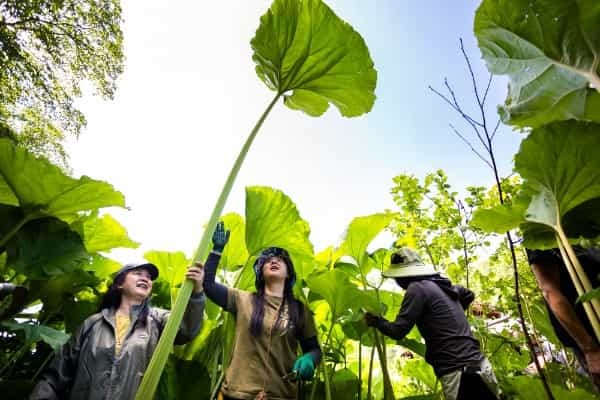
{"points": [[305, 367], [220, 237]]}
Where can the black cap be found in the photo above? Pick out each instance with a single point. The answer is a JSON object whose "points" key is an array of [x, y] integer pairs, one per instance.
{"points": [[151, 268]]}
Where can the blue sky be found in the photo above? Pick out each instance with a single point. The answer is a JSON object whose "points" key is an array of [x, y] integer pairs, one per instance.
{"points": [[189, 96]]}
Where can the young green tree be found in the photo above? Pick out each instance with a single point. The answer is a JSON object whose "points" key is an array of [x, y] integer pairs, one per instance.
{"points": [[47, 49]]}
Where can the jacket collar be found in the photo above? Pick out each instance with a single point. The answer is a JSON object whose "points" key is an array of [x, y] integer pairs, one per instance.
{"points": [[109, 313]]}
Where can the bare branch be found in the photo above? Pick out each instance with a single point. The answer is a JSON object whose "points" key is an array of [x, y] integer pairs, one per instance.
{"points": [[451, 91], [474, 124], [470, 146], [487, 89], [462, 49], [495, 130]]}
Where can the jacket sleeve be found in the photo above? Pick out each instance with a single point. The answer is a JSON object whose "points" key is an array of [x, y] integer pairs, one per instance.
{"points": [[412, 307], [58, 377], [191, 324], [215, 291], [465, 296]]}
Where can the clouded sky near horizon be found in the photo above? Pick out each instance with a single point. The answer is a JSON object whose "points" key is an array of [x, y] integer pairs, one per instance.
{"points": [[189, 97]]}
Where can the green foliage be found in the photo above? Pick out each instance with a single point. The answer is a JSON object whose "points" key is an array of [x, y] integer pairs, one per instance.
{"points": [[285, 228], [434, 220], [558, 164], [102, 233], [35, 333], [47, 48], [360, 234], [592, 294], [171, 267], [302, 47], [50, 238], [41, 189], [235, 254], [549, 50]]}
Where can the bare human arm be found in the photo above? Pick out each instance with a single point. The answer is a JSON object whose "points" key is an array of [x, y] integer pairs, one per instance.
{"points": [[547, 275]]}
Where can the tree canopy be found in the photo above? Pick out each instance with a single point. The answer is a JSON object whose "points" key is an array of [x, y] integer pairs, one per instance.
{"points": [[48, 49]]}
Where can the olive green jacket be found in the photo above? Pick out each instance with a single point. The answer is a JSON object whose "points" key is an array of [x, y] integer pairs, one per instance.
{"points": [[86, 367]]}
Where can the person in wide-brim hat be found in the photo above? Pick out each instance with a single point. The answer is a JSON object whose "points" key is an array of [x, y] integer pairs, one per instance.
{"points": [[437, 308]]}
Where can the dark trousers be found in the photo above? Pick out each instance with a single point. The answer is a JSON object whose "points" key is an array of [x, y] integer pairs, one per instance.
{"points": [[473, 387]]}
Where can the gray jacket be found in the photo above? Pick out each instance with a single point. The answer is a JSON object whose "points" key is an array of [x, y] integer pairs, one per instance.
{"points": [[86, 367]]}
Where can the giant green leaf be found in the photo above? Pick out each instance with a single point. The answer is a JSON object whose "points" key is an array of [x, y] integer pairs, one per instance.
{"points": [[336, 288], [43, 189], [35, 333], [101, 266], [171, 267], [550, 49], [57, 290], [272, 219], [46, 247], [559, 165], [235, 254], [102, 233], [501, 218], [360, 233], [302, 49]]}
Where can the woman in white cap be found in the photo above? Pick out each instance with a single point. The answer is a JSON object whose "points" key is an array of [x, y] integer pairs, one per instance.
{"points": [[107, 356], [437, 308]]}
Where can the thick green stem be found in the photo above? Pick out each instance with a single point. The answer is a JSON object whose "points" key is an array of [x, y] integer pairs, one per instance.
{"points": [[14, 230], [592, 316], [360, 367], [585, 281], [161, 354], [315, 381], [325, 374], [388, 392], [370, 379]]}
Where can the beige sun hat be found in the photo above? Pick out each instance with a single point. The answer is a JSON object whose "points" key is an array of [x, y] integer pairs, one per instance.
{"points": [[407, 263]]}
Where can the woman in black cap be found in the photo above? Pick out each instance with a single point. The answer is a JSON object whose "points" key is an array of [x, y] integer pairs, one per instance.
{"points": [[107, 356], [270, 324]]}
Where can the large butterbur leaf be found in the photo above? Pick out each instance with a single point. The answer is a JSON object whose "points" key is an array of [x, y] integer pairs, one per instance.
{"points": [[335, 287], [171, 273], [102, 233], [559, 165], [35, 333], [305, 51], [43, 189], [272, 219], [550, 50], [235, 253], [360, 234], [46, 247]]}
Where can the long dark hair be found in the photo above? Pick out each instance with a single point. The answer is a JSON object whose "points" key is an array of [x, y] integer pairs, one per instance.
{"points": [[295, 308], [112, 298]]}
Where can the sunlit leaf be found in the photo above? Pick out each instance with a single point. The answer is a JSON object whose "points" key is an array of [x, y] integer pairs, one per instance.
{"points": [[335, 287], [360, 233], [559, 165], [549, 50], [272, 219], [102, 233], [235, 254], [171, 267], [303, 49], [44, 189]]}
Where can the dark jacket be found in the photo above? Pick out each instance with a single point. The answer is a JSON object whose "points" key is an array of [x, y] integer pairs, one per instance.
{"points": [[437, 308], [86, 368]]}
